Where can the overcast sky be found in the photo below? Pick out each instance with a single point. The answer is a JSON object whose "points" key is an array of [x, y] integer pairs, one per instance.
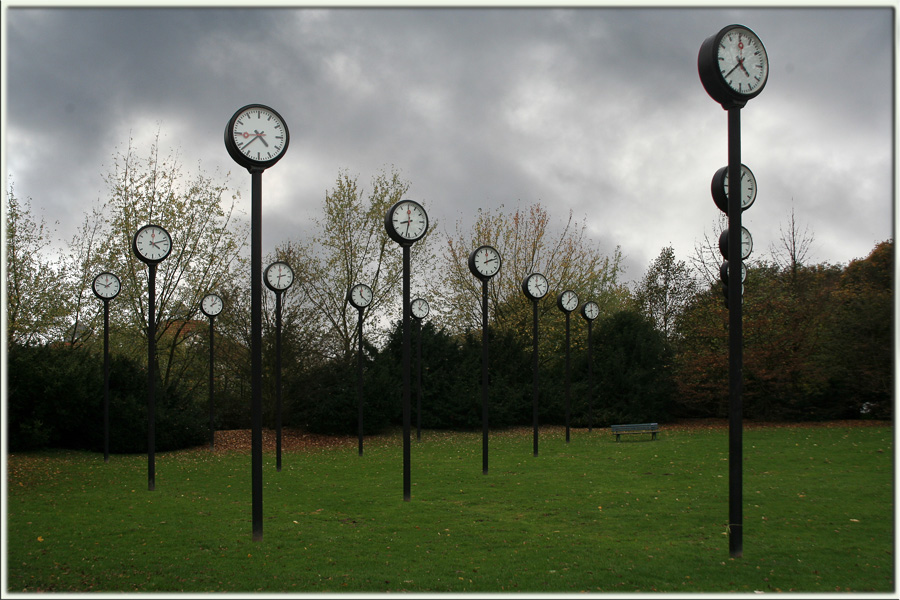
{"points": [[596, 110]]}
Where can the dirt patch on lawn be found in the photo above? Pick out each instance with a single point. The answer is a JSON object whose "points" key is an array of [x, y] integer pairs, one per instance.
{"points": [[297, 440]]}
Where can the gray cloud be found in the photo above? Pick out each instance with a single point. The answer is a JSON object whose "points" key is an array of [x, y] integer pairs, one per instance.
{"points": [[595, 110]]}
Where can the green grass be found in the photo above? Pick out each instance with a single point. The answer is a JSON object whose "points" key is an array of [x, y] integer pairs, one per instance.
{"points": [[592, 515]]}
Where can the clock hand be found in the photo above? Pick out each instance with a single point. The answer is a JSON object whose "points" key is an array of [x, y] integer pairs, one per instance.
{"points": [[741, 65], [246, 135], [260, 136]]}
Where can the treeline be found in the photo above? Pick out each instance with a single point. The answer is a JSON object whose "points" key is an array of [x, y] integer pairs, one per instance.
{"points": [[818, 346], [817, 338]]}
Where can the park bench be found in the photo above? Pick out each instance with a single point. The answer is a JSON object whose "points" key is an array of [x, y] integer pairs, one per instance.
{"points": [[635, 428]]}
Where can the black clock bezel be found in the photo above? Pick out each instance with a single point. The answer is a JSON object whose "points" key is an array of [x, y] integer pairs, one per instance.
{"points": [[559, 301], [394, 234], [528, 293], [413, 302], [266, 277], [584, 310], [241, 158], [203, 308], [723, 272], [711, 76], [98, 294], [350, 296], [143, 258], [723, 243], [717, 187], [474, 269]]}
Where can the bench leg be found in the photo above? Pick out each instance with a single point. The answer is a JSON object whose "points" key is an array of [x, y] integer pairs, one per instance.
{"points": [[617, 437], [654, 435]]}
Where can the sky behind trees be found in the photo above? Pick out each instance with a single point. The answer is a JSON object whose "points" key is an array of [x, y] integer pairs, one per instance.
{"points": [[591, 109]]}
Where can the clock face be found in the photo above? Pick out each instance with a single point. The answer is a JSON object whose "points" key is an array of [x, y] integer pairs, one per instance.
{"points": [[211, 305], [535, 286], [590, 310], [733, 66], [360, 295], [106, 286], [152, 243], [567, 301], [742, 61], [720, 188], [406, 222], [485, 262], [746, 243], [279, 276], [256, 136], [419, 308]]}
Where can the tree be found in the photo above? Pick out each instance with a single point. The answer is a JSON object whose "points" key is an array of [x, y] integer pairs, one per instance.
{"points": [[665, 290], [206, 244], [35, 286], [527, 244], [354, 248], [857, 350]]}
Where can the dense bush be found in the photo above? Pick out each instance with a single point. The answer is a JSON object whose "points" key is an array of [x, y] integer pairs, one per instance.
{"points": [[55, 399]]}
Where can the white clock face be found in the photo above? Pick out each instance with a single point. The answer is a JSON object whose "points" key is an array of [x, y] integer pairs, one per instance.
{"points": [[259, 134], [742, 61], [419, 308], [409, 220], [568, 301], [152, 243], [487, 261], [211, 305], [106, 285], [590, 310], [748, 187], [537, 285], [360, 295], [279, 276], [746, 243]]}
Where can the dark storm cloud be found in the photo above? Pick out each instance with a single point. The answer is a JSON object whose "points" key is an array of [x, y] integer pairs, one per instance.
{"points": [[594, 110]]}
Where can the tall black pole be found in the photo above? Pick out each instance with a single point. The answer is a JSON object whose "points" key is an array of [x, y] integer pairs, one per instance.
{"points": [[568, 401], [105, 380], [419, 380], [590, 381], [407, 486], [534, 384], [212, 429], [256, 351], [359, 381], [151, 380], [735, 344], [278, 381], [484, 376]]}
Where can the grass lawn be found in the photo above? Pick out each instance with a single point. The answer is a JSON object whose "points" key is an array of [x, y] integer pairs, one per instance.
{"points": [[592, 515]]}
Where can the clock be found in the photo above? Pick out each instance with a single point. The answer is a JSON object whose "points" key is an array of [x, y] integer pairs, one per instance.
{"points": [[419, 308], [590, 310], [484, 262], [733, 66], [211, 305], [256, 137], [746, 243], [567, 301], [406, 222], [723, 272], [279, 276], [535, 286], [152, 244], [360, 295], [719, 188], [106, 286]]}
